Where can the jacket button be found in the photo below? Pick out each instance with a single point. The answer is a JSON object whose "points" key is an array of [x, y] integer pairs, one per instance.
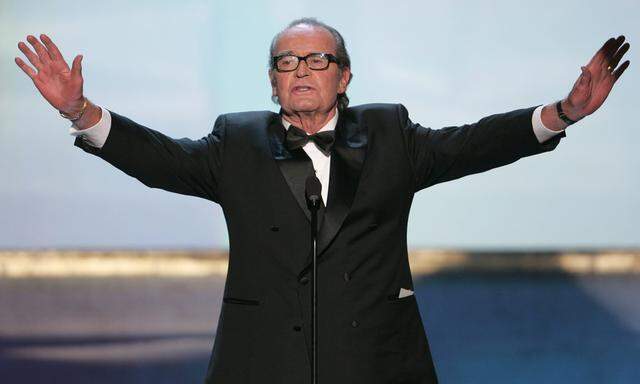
{"points": [[354, 323], [297, 328], [304, 280], [347, 277], [274, 228]]}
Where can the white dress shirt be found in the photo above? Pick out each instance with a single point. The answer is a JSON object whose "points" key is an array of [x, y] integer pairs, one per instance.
{"points": [[97, 135], [321, 162]]}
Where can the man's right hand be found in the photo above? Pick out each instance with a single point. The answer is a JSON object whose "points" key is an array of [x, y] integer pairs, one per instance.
{"points": [[58, 84]]}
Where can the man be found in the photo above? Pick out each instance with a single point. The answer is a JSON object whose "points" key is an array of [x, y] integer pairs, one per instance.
{"points": [[254, 165]]}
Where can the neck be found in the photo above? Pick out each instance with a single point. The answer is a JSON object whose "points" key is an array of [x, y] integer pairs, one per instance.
{"points": [[310, 122]]}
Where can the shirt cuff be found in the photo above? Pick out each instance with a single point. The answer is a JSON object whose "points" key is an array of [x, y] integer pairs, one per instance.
{"points": [[96, 135], [542, 133]]}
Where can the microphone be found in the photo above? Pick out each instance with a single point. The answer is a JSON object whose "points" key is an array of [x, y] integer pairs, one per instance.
{"points": [[313, 192]]}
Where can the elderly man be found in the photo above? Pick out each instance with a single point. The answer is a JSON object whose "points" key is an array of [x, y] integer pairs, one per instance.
{"points": [[370, 159]]}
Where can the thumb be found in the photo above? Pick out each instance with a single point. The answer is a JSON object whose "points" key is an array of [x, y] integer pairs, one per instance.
{"points": [[76, 67], [586, 76]]}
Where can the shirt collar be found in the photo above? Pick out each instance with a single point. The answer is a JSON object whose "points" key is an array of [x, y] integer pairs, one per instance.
{"points": [[330, 126]]}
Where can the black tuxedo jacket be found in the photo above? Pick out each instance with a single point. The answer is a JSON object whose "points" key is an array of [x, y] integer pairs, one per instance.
{"points": [[380, 159]]}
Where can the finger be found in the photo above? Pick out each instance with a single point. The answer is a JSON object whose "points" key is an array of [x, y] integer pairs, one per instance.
{"points": [[43, 55], [604, 56], [76, 66], [606, 44], [613, 47], [581, 88], [618, 55], [585, 78], [32, 57], [54, 52], [25, 68], [618, 72], [601, 54]]}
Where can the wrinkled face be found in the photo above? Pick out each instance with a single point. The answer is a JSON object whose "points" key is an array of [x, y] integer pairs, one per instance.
{"points": [[305, 90]]}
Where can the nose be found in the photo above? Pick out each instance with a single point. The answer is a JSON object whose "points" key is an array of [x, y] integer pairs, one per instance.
{"points": [[303, 69]]}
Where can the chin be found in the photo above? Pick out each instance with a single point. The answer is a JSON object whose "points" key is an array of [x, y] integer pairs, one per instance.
{"points": [[305, 106]]}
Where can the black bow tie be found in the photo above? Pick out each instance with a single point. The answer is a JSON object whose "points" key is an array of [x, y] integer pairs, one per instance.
{"points": [[297, 138]]}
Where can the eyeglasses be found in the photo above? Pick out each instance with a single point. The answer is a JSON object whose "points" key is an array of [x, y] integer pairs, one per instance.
{"points": [[316, 61]]}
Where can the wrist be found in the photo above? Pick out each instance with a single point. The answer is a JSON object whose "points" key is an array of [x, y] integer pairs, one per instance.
{"points": [[563, 116], [550, 119], [570, 111], [75, 112], [90, 117]]}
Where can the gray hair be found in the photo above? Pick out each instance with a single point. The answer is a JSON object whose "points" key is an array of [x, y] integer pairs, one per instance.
{"points": [[342, 56]]}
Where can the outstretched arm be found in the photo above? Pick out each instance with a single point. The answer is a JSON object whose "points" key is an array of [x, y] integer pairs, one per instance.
{"points": [[185, 166], [592, 86], [439, 155], [496, 140]]}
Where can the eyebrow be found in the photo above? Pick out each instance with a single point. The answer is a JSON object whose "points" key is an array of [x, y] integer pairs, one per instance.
{"points": [[284, 53]]}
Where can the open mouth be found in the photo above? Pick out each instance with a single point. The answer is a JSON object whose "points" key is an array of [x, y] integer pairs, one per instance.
{"points": [[301, 89]]}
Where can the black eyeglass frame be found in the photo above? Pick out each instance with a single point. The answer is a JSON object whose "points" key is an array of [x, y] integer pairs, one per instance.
{"points": [[330, 59]]}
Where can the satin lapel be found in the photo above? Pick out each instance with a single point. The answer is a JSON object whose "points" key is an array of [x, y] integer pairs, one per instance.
{"points": [[347, 159], [295, 166]]}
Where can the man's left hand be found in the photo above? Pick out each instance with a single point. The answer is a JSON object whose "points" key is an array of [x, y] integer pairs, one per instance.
{"points": [[597, 79]]}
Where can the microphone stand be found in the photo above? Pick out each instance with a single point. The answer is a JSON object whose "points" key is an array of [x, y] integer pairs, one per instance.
{"points": [[314, 198]]}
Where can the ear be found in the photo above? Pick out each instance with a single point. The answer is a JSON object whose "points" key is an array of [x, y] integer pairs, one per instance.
{"points": [[272, 80], [345, 79]]}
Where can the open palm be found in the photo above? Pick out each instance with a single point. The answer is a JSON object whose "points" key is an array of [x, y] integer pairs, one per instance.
{"points": [[598, 77], [60, 85]]}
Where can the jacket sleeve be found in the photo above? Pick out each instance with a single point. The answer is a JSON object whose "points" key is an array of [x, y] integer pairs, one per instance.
{"points": [[185, 166], [449, 153]]}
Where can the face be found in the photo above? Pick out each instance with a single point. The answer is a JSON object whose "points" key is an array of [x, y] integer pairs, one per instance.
{"points": [[305, 90]]}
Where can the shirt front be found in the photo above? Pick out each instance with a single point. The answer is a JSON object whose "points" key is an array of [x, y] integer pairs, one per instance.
{"points": [[321, 162]]}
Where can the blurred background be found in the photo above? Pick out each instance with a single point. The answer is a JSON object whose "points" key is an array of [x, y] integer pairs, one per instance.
{"points": [[524, 274]]}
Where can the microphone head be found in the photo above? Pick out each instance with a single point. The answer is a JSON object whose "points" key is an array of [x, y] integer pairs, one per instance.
{"points": [[313, 188]]}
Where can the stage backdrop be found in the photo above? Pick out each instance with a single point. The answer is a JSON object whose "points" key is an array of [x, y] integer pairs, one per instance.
{"points": [[175, 66]]}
